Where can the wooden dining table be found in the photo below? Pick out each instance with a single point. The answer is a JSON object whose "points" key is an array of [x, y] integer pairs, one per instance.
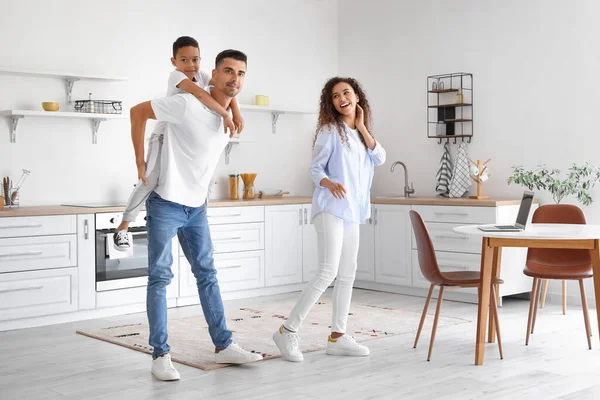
{"points": [[553, 236]]}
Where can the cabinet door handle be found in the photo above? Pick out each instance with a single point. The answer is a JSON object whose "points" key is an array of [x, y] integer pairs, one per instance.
{"points": [[37, 287], [225, 215], [228, 238], [230, 266], [451, 237], [451, 213], [376, 216], [25, 253], [300, 217], [21, 226], [453, 267], [86, 229], [305, 217]]}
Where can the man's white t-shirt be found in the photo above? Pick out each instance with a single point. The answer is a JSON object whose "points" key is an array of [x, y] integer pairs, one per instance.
{"points": [[191, 148], [201, 79]]}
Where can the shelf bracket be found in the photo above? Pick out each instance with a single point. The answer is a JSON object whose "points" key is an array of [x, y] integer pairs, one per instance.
{"points": [[274, 117], [95, 126], [70, 82], [14, 121]]}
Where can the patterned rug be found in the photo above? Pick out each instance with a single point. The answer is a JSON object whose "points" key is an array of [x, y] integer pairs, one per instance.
{"points": [[253, 327]]}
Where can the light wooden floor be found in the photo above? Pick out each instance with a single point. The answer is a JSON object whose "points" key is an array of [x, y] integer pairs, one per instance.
{"points": [[55, 363]]}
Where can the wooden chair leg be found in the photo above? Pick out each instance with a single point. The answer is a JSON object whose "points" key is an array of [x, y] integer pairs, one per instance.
{"points": [[496, 319], [435, 321], [535, 305], [544, 292], [424, 314], [586, 317], [564, 297], [530, 317]]}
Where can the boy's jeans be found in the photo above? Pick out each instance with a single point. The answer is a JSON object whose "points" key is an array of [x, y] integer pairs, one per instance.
{"points": [[166, 219]]}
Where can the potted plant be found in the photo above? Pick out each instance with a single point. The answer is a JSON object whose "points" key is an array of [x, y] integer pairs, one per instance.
{"points": [[578, 181]]}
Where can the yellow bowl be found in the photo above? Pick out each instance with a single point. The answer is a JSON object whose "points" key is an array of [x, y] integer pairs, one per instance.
{"points": [[50, 106]]}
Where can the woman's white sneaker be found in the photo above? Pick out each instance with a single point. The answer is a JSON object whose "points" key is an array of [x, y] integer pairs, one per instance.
{"points": [[287, 343], [234, 354], [346, 345], [163, 369]]}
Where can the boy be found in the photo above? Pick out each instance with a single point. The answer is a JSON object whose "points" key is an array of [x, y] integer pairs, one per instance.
{"points": [[187, 77]]}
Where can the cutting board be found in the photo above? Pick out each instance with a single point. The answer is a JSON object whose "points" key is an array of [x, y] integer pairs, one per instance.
{"points": [[279, 196]]}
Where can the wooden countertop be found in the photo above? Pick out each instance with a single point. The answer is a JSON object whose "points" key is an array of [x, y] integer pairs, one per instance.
{"points": [[433, 201]]}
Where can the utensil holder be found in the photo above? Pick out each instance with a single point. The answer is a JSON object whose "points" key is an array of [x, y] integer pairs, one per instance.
{"points": [[13, 198]]}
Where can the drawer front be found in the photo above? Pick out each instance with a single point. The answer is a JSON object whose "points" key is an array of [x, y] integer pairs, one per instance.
{"points": [[445, 239], [235, 215], [38, 293], [235, 271], [447, 262], [457, 214], [35, 253], [244, 237], [37, 226]]}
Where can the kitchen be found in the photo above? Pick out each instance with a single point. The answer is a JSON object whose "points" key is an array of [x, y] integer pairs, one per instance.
{"points": [[289, 59]]}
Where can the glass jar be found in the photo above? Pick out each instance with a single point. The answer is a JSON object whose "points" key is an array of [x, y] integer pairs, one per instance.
{"points": [[249, 192], [234, 184]]}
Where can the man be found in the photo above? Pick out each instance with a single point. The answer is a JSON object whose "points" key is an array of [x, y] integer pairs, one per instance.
{"points": [[192, 147]]}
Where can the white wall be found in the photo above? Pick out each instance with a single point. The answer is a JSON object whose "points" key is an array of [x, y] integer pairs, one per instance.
{"points": [[535, 66], [291, 47]]}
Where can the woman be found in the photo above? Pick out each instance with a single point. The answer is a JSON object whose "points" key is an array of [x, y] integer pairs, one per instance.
{"points": [[344, 156]]}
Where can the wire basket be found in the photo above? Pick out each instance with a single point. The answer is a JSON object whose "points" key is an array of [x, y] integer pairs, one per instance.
{"points": [[99, 106]]}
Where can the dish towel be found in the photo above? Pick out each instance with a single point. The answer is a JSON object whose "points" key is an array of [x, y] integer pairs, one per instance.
{"points": [[461, 178], [444, 174]]}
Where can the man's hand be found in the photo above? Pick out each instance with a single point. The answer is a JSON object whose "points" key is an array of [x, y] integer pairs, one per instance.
{"points": [[239, 123], [141, 167], [228, 124], [337, 189]]}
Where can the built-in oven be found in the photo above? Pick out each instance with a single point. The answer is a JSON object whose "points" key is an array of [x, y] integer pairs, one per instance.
{"points": [[115, 270]]}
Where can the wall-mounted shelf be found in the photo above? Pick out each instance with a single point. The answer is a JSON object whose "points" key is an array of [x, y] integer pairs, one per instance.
{"points": [[16, 115], [230, 146], [275, 113], [450, 106], [69, 78]]}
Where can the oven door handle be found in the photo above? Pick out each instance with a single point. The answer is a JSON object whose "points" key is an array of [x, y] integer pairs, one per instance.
{"points": [[103, 235]]}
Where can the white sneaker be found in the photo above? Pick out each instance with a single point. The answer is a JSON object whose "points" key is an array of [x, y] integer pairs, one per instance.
{"points": [[287, 343], [121, 240], [163, 369], [345, 345], [234, 354]]}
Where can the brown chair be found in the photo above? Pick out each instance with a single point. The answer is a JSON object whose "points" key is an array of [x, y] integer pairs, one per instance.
{"points": [[561, 264], [455, 279]]}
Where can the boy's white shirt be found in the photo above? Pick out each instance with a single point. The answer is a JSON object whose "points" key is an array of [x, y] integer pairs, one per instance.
{"points": [[201, 79], [191, 149]]}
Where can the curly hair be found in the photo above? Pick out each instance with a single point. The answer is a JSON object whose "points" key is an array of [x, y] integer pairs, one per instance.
{"points": [[330, 117]]}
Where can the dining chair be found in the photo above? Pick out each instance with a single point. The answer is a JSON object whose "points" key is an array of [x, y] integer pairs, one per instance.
{"points": [[452, 279], [560, 264]]}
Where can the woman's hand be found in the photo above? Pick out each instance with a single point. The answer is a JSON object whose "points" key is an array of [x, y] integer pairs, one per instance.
{"points": [[337, 189], [360, 117]]}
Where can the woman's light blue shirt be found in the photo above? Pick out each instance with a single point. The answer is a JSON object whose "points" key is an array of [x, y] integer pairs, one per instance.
{"points": [[352, 165]]}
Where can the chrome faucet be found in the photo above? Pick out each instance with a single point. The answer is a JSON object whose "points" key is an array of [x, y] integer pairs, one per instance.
{"points": [[407, 190]]}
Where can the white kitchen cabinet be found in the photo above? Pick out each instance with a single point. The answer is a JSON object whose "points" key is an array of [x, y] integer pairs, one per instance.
{"points": [[283, 244], [366, 251], [86, 260], [310, 254], [38, 293], [235, 271], [392, 244]]}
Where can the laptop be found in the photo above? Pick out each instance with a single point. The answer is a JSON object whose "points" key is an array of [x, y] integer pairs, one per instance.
{"points": [[522, 216]]}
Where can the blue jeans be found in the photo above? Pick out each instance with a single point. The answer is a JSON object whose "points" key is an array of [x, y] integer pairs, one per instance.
{"points": [[166, 219]]}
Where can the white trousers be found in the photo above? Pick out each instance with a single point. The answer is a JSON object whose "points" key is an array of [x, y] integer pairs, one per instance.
{"points": [[337, 243]]}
